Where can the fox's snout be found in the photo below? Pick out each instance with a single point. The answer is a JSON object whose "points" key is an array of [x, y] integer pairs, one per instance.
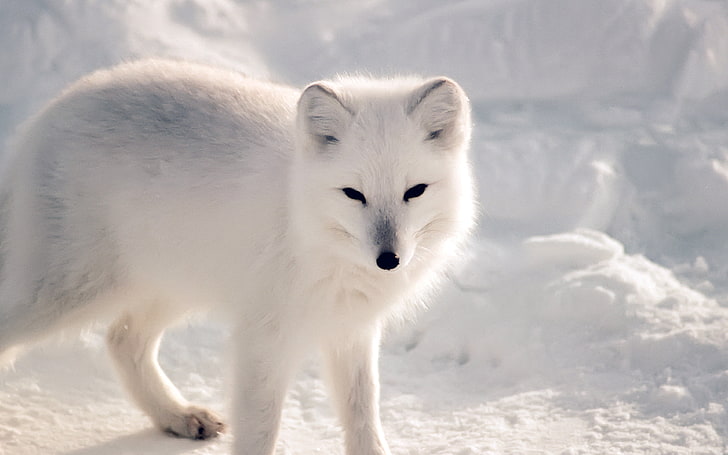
{"points": [[385, 236]]}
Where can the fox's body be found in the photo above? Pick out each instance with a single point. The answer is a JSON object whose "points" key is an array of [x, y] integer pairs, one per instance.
{"points": [[158, 188]]}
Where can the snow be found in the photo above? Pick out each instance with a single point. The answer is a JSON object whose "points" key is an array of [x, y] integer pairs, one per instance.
{"points": [[592, 316]]}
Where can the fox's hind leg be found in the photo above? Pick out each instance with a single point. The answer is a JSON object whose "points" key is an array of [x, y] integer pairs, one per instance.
{"points": [[134, 341]]}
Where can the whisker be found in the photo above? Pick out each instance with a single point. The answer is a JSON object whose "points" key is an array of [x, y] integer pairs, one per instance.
{"points": [[342, 233], [433, 227]]}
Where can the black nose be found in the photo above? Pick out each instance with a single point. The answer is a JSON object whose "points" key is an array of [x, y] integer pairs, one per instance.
{"points": [[388, 261]]}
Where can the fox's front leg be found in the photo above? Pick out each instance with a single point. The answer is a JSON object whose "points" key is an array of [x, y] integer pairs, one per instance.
{"points": [[266, 359], [134, 343], [354, 379]]}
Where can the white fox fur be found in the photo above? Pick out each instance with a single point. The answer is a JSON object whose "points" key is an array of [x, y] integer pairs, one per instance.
{"points": [[157, 188]]}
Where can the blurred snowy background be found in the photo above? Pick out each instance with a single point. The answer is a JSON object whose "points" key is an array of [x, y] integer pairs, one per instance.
{"points": [[592, 317]]}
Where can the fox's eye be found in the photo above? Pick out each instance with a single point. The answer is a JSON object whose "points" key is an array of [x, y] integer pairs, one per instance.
{"points": [[351, 193], [434, 135], [415, 191], [330, 139]]}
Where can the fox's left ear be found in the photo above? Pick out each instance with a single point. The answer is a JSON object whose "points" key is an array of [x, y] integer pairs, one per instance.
{"points": [[443, 110]]}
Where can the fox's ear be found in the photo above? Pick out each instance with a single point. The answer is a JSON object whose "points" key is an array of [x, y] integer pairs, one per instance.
{"points": [[443, 110], [322, 116]]}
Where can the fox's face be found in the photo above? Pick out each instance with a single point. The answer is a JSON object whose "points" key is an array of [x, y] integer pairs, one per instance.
{"points": [[382, 177]]}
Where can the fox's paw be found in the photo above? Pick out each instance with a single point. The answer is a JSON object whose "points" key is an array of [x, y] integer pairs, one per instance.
{"points": [[195, 423]]}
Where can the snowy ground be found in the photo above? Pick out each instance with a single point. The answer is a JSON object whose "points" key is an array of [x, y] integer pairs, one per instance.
{"points": [[593, 315]]}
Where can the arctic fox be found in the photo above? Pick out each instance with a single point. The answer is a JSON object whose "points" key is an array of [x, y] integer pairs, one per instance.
{"points": [[156, 188]]}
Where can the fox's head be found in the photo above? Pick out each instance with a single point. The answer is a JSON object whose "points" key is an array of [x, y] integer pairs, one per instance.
{"points": [[382, 177]]}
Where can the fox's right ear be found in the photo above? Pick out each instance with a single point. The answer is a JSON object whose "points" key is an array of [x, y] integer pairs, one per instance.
{"points": [[322, 116]]}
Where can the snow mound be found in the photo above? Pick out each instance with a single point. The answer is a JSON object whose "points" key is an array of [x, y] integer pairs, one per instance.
{"points": [[581, 247], [524, 50], [609, 342]]}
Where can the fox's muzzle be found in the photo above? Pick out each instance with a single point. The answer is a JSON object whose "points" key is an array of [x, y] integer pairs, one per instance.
{"points": [[385, 237]]}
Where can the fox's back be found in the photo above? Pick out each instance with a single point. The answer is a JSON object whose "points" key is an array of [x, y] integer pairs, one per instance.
{"points": [[167, 164], [169, 111]]}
